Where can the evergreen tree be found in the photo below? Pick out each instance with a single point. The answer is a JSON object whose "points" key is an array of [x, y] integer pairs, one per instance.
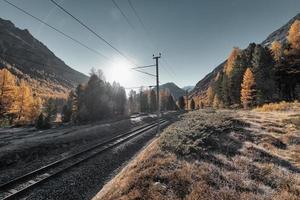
{"points": [[171, 105], [50, 111], [262, 69], [248, 89], [181, 103], [67, 109], [192, 104], [153, 103], [133, 102], [144, 101]]}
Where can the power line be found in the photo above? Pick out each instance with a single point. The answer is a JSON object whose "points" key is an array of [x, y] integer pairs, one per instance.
{"points": [[144, 72], [55, 29], [67, 36], [142, 67], [92, 31], [136, 14], [147, 33], [123, 14]]}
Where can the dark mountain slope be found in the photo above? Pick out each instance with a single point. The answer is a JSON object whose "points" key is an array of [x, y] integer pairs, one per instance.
{"points": [[31, 57]]}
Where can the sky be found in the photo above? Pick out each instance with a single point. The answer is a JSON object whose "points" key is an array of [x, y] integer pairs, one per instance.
{"points": [[193, 36]]}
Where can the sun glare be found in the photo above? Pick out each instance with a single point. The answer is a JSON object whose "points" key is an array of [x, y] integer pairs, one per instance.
{"points": [[120, 72]]}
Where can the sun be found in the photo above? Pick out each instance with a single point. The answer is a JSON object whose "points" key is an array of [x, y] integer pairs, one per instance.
{"points": [[120, 72]]}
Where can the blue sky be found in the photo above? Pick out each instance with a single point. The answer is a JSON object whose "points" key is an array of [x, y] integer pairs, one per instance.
{"points": [[194, 36]]}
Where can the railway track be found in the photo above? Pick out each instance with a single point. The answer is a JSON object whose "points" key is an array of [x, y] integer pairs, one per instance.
{"points": [[20, 185]]}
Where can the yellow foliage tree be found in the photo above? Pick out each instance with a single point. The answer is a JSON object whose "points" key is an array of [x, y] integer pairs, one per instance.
{"points": [[230, 61], [24, 102], [209, 96], [35, 108], [8, 91], [216, 102], [248, 89], [294, 35], [276, 49]]}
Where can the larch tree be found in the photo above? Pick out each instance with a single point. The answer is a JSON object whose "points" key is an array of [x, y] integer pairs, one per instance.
{"points": [[248, 89], [216, 101], [294, 35], [230, 61], [24, 102], [35, 109], [8, 92], [276, 49], [209, 96]]}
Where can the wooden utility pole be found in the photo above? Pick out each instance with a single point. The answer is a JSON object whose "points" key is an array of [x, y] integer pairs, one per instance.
{"points": [[157, 92]]}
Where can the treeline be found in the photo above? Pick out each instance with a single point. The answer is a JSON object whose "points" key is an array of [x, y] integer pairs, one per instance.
{"points": [[258, 74], [18, 105], [95, 100], [146, 101]]}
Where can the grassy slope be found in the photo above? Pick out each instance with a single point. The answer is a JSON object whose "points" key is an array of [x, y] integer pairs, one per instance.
{"points": [[216, 155]]}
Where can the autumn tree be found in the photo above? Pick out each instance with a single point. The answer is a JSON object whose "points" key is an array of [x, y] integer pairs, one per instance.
{"points": [[276, 49], [209, 96], [24, 102], [294, 35], [230, 61], [35, 108], [248, 89], [216, 101], [8, 92]]}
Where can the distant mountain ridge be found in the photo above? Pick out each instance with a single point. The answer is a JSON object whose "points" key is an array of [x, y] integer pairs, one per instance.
{"points": [[175, 91], [280, 35], [31, 58]]}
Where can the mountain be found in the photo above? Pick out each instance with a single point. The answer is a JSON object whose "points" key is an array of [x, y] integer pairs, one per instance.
{"points": [[28, 58], [189, 88], [280, 35], [173, 89]]}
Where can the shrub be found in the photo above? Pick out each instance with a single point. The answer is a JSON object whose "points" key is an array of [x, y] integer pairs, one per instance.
{"points": [[281, 106]]}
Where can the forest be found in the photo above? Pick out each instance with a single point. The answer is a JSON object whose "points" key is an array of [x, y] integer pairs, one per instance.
{"points": [[258, 75]]}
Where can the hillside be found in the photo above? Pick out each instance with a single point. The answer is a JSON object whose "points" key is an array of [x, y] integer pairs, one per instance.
{"points": [[173, 89], [27, 57], [279, 35]]}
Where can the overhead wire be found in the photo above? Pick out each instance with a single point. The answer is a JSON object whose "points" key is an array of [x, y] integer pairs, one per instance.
{"points": [[57, 30], [122, 13], [92, 31]]}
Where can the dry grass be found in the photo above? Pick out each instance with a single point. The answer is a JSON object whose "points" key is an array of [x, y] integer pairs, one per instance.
{"points": [[281, 106], [216, 155]]}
